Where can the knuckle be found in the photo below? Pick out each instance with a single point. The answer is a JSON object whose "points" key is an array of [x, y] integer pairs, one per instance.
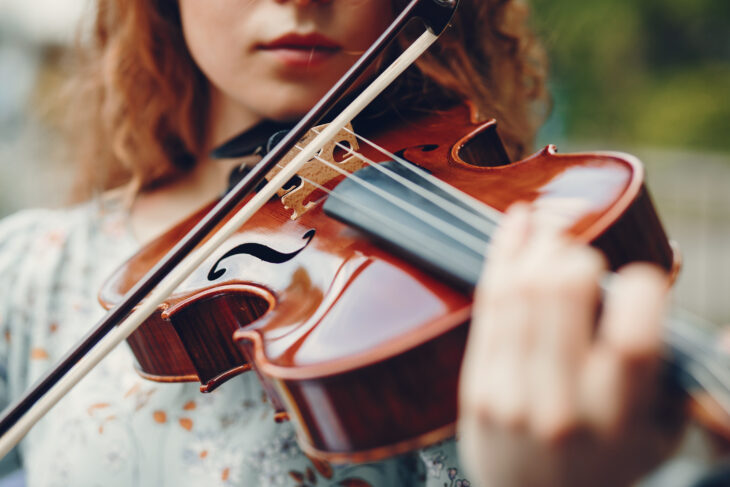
{"points": [[515, 286], [574, 272], [579, 273], [556, 429], [508, 417], [586, 264], [529, 284]]}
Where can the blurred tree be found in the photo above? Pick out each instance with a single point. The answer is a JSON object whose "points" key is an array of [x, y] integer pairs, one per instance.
{"points": [[651, 72]]}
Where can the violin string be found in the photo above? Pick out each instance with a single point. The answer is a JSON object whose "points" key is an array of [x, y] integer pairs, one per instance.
{"points": [[477, 221], [712, 369], [359, 206], [476, 244], [704, 372], [424, 239], [694, 344], [710, 384], [490, 214], [719, 373], [701, 352], [693, 330]]}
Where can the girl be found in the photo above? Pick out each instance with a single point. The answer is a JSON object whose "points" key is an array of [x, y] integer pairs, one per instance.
{"points": [[160, 84]]}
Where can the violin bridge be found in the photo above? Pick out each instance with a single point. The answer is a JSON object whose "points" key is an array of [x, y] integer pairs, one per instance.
{"points": [[316, 171]]}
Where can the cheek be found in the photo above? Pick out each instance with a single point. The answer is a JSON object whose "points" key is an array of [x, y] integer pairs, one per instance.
{"points": [[210, 34], [365, 20]]}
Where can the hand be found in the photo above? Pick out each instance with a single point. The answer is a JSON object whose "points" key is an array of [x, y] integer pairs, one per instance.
{"points": [[549, 394]]}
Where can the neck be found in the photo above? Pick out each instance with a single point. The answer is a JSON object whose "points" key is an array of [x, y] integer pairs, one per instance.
{"points": [[227, 118], [155, 209]]}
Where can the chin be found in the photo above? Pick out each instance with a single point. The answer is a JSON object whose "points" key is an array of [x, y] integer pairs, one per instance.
{"points": [[289, 109]]}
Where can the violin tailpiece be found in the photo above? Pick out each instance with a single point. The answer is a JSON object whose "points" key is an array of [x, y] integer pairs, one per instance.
{"points": [[296, 198]]}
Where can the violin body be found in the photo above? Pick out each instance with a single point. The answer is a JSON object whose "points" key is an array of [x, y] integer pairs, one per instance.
{"points": [[358, 346]]}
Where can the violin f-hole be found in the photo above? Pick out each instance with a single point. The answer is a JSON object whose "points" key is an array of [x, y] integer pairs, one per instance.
{"points": [[261, 252], [482, 147]]}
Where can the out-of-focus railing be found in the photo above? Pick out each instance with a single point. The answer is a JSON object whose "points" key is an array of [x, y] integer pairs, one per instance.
{"points": [[692, 192]]}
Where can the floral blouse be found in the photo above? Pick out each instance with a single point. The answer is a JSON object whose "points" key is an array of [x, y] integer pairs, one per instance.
{"points": [[116, 428]]}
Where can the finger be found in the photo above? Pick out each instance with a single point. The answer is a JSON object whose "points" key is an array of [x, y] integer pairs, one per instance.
{"points": [[513, 232], [620, 377], [601, 392], [633, 312], [506, 378], [493, 369], [497, 271], [474, 378], [567, 317], [489, 368]]}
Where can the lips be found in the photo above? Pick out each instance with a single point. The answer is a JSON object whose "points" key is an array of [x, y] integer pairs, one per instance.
{"points": [[299, 51], [303, 42]]}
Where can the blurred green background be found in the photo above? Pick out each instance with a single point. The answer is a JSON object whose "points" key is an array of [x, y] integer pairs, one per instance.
{"points": [[652, 77], [649, 72]]}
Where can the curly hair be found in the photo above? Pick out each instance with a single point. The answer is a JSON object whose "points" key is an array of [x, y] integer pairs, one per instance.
{"points": [[139, 100]]}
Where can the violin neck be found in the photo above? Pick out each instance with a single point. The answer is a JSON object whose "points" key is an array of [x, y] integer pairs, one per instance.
{"points": [[450, 248]]}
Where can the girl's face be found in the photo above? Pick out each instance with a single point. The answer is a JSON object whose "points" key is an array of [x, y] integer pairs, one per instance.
{"points": [[275, 58]]}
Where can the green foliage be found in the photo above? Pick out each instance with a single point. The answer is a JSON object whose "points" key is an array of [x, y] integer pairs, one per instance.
{"points": [[649, 72]]}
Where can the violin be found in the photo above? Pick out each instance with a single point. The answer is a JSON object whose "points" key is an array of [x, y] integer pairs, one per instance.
{"points": [[350, 296]]}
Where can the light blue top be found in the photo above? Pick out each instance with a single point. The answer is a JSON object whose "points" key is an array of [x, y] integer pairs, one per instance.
{"points": [[117, 429]]}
